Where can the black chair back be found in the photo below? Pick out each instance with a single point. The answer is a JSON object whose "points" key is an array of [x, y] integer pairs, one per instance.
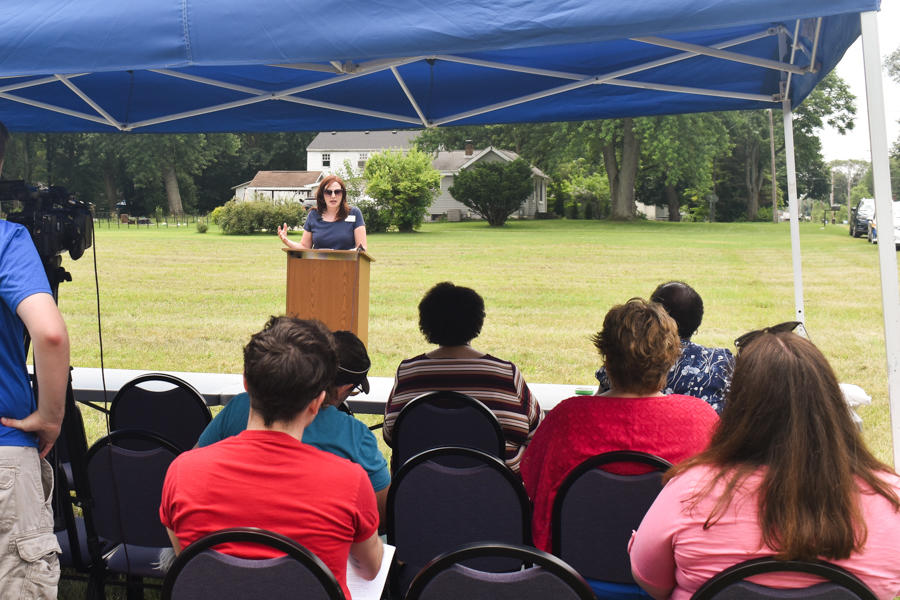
{"points": [[730, 584], [432, 508], [179, 413], [445, 578], [201, 573], [595, 512], [444, 419], [127, 487]]}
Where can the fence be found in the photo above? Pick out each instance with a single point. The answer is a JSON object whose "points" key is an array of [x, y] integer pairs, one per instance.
{"points": [[125, 220]]}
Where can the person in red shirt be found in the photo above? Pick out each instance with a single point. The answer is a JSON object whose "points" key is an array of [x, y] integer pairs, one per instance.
{"points": [[639, 342], [267, 477]]}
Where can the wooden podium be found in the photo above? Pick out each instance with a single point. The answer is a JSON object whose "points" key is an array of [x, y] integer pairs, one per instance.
{"points": [[331, 286]]}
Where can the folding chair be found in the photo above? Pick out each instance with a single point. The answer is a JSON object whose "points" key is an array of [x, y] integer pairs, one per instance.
{"points": [[201, 573], [595, 512], [433, 508], [127, 491], [443, 419], [549, 577], [179, 413], [730, 584]]}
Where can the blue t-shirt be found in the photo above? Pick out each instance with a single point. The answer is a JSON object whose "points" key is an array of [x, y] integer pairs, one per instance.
{"points": [[336, 235], [331, 431], [21, 275]]}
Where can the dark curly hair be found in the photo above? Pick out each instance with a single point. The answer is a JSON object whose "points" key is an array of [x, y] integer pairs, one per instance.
{"points": [[683, 304], [451, 315], [288, 364]]}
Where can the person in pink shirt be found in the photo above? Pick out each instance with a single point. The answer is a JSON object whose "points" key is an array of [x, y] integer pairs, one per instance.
{"points": [[786, 474]]}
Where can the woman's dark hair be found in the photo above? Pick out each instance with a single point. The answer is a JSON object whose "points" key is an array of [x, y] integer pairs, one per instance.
{"points": [[344, 208], [683, 304], [786, 418], [288, 364], [639, 343], [451, 315]]}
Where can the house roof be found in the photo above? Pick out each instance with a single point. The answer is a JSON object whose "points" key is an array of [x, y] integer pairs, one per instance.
{"points": [[284, 179], [454, 160], [365, 141]]}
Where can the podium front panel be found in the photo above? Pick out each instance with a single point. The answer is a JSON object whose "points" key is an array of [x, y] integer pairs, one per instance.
{"points": [[331, 286]]}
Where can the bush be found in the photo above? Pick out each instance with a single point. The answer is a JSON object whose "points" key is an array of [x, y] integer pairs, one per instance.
{"points": [[214, 215], [407, 183], [589, 211], [572, 211], [202, 227], [377, 217], [244, 218]]}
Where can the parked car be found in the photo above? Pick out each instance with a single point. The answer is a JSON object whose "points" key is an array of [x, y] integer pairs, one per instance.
{"points": [[873, 226], [860, 216]]}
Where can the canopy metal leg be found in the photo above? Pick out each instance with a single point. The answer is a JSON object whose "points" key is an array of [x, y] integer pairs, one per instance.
{"points": [[887, 256], [800, 315]]}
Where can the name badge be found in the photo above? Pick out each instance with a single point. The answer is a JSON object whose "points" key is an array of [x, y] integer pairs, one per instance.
{"points": [[351, 219]]}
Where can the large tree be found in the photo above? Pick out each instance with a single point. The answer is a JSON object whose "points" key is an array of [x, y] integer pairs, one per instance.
{"points": [[154, 159], [494, 190], [617, 143], [407, 184]]}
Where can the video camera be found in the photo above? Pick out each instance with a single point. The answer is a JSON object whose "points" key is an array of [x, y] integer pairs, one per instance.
{"points": [[56, 220]]}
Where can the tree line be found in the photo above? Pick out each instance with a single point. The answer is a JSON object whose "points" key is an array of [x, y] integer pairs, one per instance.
{"points": [[598, 169]]}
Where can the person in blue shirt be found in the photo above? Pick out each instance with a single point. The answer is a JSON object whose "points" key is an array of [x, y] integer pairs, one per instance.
{"points": [[332, 430], [700, 372], [29, 427], [333, 224]]}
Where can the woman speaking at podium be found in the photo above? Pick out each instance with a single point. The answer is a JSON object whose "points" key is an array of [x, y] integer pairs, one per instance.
{"points": [[333, 224]]}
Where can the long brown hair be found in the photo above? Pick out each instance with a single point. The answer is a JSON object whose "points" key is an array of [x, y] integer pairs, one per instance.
{"points": [[343, 209], [786, 418]]}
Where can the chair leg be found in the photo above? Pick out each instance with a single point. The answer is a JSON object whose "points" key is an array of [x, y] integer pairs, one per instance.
{"points": [[95, 588], [135, 587]]}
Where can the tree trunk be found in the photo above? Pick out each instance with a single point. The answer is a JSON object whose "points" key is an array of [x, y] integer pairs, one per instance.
{"points": [[173, 194], [109, 177], [674, 203], [753, 173], [621, 180]]}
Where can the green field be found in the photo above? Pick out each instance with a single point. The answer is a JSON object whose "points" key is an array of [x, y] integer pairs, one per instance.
{"points": [[174, 299]]}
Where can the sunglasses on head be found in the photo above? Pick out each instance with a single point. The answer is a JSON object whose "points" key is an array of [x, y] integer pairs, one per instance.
{"points": [[334, 192], [789, 326]]}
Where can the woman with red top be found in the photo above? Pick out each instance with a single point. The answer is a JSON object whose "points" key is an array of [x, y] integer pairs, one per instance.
{"points": [[639, 342]]}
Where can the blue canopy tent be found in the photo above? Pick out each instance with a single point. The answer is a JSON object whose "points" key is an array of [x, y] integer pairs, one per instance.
{"points": [[155, 66]]}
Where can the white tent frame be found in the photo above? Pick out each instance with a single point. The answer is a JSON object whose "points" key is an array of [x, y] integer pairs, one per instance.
{"points": [[890, 287]]}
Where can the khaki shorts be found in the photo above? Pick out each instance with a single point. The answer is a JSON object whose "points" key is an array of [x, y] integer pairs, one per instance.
{"points": [[29, 562]]}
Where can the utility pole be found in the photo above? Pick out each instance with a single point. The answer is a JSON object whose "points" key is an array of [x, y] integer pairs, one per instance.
{"points": [[772, 151]]}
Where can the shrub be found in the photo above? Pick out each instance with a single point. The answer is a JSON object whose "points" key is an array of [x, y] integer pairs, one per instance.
{"points": [[494, 190], [202, 227], [377, 217], [407, 183], [572, 211], [244, 218], [214, 215]]}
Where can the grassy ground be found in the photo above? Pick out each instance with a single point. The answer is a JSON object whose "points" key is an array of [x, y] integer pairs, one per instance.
{"points": [[179, 300]]}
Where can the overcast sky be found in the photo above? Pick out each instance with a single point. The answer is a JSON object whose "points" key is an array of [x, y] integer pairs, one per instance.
{"points": [[856, 143]]}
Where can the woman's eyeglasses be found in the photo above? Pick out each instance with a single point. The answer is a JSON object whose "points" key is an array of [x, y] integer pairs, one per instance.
{"points": [[794, 326], [334, 192]]}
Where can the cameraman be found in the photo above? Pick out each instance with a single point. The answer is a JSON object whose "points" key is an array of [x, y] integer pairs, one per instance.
{"points": [[28, 430]]}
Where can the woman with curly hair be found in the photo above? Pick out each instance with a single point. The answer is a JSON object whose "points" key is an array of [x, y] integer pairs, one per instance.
{"points": [[451, 316], [639, 342], [786, 474]]}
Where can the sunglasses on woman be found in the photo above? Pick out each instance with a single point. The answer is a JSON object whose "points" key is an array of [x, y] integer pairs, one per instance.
{"points": [[334, 192], [790, 326]]}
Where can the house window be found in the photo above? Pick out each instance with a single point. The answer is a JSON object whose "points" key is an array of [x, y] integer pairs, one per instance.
{"points": [[363, 157], [326, 159]]}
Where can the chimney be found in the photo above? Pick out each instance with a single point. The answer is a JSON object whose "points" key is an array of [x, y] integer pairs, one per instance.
{"points": [[470, 147]]}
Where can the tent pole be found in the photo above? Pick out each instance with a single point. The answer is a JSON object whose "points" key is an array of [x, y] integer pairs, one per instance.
{"points": [[887, 257], [795, 212]]}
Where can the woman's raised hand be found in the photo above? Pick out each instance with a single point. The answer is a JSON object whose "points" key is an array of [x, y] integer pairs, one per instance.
{"points": [[282, 233]]}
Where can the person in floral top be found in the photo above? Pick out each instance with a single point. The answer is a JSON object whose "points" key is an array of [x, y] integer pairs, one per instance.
{"points": [[700, 372]]}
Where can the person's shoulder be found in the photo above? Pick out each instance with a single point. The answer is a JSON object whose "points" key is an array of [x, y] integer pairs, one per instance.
{"points": [[689, 347], [355, 211]]}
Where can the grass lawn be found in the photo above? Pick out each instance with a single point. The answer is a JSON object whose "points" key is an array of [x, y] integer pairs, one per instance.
{"points": [[179, 300]]}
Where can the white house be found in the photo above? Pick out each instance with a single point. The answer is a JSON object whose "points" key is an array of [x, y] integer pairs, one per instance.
{"points": [[330, 149], [294, 186], [451, 162]]}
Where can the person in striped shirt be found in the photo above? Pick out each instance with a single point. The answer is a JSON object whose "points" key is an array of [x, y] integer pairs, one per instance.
{"points": [[451, 316]]}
